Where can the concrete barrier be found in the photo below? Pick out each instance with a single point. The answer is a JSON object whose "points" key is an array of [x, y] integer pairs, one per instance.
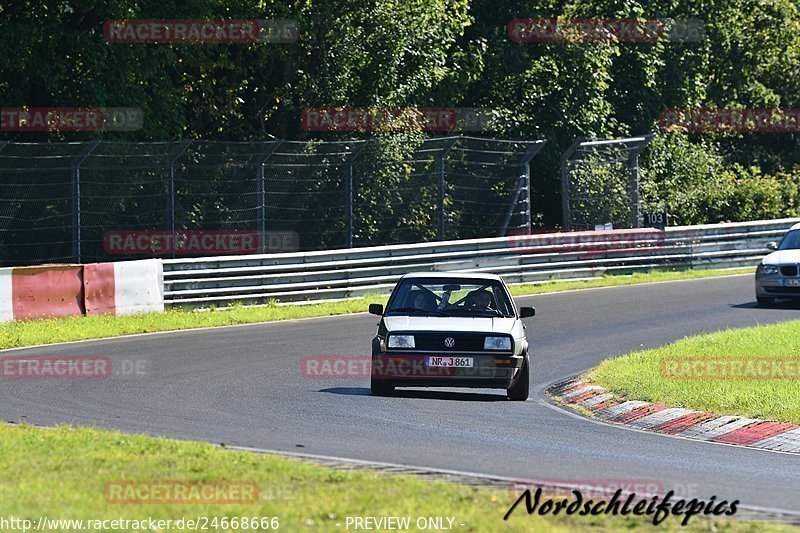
{"points": [[48, 291]]}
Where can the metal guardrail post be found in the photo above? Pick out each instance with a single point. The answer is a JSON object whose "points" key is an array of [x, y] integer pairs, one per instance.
{"points": [[76, 197], [173, 156], [262, 192], [565, 214], [351, 159]]}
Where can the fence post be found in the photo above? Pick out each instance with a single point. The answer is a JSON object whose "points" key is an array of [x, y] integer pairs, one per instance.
{"points": [[512, 205], [525, 163], [634, 186], [76, 197], [633, 162], [442, 191], [351, 159], [173, 156], [565, 214], [262, 192]]}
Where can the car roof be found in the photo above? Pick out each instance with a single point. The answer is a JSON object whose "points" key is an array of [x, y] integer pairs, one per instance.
{"points": [[446, 275]]}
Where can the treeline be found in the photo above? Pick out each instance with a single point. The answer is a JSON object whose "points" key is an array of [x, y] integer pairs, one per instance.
{"points": [[440, 53]]}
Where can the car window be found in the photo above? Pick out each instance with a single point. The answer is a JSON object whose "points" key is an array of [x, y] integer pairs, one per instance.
{"points": [[451, 297], [791, 241]]}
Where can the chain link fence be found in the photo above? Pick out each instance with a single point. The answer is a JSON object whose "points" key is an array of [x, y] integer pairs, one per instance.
{"points": [[600, 183], [61, 201]]}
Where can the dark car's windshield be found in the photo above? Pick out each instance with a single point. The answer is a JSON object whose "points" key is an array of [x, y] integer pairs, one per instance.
{"points": [[450, 297], [791, 241]]}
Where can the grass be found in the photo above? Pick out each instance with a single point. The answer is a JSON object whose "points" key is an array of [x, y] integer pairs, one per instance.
{"points": [[30, 333], [639, 375], [63, 473]]}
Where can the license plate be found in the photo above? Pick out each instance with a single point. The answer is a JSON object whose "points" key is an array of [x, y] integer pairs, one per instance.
{"points": [[449, 362], [791, 283]]}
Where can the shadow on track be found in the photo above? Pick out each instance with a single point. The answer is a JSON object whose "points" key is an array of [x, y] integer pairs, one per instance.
{"points": [[787, 305], [422, 394]]}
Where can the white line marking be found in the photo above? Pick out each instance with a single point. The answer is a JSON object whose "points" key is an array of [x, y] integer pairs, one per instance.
{"points": [[488, 477]]}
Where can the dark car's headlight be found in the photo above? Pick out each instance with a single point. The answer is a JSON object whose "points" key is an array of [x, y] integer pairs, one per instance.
{"points": [[401, 341], [497, 343], [767, 270]]}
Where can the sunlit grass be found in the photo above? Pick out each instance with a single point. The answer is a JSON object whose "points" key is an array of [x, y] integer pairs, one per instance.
{"points": [[639, 375], [63, 473]]}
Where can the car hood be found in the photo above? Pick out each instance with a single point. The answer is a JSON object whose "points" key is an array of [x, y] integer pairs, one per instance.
{"points": [[435, 323], [782, 257]]}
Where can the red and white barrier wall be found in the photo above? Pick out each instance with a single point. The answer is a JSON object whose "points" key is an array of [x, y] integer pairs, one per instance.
{"points": [[124, 287], [47, 291]]}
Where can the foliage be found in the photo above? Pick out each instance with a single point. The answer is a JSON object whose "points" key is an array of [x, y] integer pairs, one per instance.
{"points": [[437, 53]]}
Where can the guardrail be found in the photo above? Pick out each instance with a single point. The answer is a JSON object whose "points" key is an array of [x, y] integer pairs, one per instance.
{"points": [[333, 274]]}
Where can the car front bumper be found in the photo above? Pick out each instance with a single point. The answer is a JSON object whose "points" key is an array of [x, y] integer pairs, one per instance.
{"points": [[775, 287], [412, 370]]}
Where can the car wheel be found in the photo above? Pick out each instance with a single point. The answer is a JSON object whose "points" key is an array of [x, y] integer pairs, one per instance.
{"points": [[380, 387], [520, 389], [765, 301]]}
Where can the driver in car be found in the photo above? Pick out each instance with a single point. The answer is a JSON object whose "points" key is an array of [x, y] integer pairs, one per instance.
{"points": [[479, 300], [422, 300]]}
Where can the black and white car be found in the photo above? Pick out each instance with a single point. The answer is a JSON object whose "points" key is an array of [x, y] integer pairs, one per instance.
{"points": [[778, 275], [451, 330]]}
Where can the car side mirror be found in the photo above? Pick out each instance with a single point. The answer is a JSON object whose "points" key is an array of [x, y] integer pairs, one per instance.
{"points": [[376, 309], [772, 245], [525, 312]]}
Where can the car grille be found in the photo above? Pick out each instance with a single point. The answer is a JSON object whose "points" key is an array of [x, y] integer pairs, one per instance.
{"points": [[464, 342], [789, 270]]}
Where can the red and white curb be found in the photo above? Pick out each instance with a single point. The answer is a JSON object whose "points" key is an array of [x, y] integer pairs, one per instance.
{"points": [[736, 430]]}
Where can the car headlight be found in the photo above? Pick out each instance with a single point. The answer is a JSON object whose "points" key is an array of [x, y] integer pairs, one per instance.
{"points": [[401, 341], [497, 343], [767, 270]]}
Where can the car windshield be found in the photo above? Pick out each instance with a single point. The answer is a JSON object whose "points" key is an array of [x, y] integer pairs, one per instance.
{"points": [[450, 297], [791, 241]]}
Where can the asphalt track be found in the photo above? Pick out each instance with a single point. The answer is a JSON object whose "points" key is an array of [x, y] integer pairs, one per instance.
{"points": [[243, 386]]}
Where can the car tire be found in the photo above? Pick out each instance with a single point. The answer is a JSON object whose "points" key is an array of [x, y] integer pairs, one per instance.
{"points": [[764, 302], [521, 388], [380, 387]]}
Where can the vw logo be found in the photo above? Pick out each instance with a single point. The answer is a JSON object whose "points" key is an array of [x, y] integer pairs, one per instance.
{"points": [[449, 342]]}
